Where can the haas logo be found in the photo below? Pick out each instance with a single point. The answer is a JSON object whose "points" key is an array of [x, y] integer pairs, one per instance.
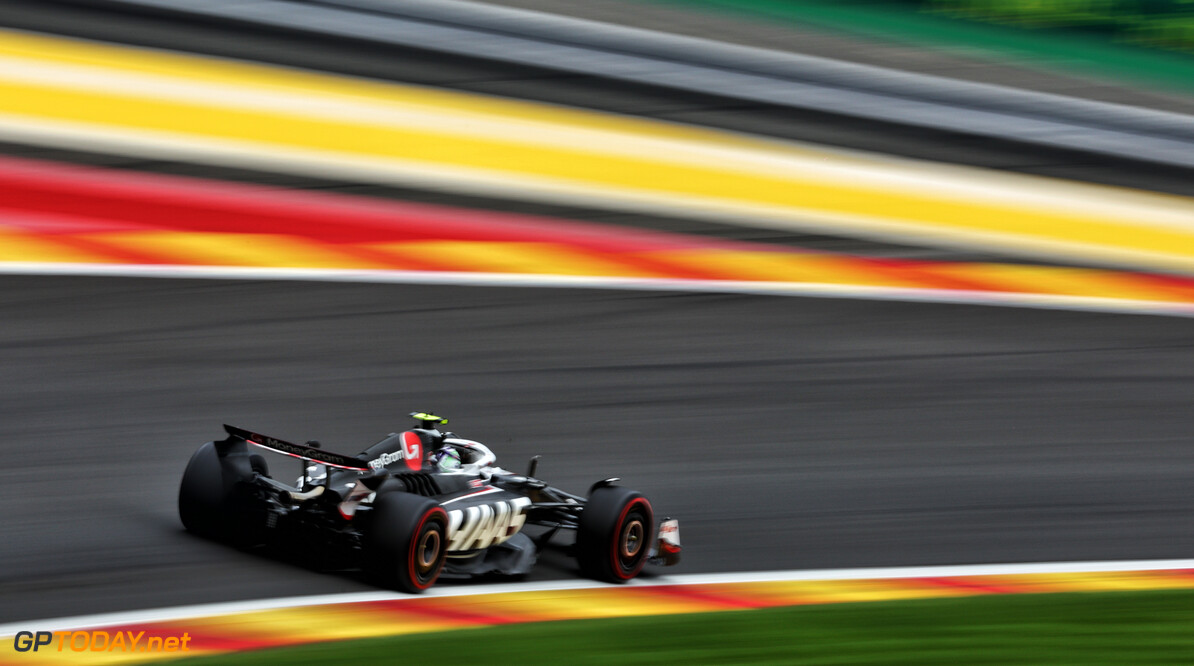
{"points": [[486, 525]]}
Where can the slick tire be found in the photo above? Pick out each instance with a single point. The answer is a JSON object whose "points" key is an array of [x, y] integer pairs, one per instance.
{"points": [[406, 542], [211, 500], [614, 534]]}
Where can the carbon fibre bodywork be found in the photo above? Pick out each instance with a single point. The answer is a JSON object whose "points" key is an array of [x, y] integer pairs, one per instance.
{"points": [[487, 520]]}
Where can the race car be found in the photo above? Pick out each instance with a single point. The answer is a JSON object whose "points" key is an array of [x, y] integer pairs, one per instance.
{"points": [[415, 506]]}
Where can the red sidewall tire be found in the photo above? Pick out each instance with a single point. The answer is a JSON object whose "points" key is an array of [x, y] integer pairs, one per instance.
{"points": [[629, 547], [428, 549], [613, 536], [405, 542]]}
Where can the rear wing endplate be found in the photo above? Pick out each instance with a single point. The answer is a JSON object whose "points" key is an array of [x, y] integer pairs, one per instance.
{"points": [[299, 451]]}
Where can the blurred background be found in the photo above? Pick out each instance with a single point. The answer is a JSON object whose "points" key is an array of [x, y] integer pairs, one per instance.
{"points": [[740, 254]]}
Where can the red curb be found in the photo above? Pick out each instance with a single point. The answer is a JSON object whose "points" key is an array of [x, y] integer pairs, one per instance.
{"points": [[965, 584], [123, 201], [697, 594]]}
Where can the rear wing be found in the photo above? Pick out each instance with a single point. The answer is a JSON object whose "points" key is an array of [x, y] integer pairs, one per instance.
{"points": [[299, 451]]}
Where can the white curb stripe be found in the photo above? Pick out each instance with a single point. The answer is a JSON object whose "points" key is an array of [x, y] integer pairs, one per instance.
{"points": [[804, 289]]}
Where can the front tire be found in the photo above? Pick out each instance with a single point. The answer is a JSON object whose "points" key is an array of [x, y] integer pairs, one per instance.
{"points": [[406, 542], [613, 536]]}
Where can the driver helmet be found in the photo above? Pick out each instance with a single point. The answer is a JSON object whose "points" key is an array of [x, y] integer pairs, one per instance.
{"points": [[446, 459]]}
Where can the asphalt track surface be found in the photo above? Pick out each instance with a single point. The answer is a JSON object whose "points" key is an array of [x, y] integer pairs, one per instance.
{"points": [[784, 432]]}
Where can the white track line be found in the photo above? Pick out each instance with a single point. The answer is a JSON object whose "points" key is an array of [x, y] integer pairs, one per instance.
{"points": [[215, 609], [805, 289]]}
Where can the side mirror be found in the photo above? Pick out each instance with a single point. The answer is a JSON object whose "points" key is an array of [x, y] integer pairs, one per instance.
{"points": [[532, 466]]}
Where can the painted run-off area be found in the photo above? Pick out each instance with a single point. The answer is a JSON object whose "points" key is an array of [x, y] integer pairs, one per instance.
{"points": [[68, 215], [127, 101], [389, 615]]}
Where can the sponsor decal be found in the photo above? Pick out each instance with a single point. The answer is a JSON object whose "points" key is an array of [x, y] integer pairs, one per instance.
{"points": [[385, 459], [307, 452], [486, 525], [411, 452], [669, 531], [669, 536], [99, 641], [412, 448]]}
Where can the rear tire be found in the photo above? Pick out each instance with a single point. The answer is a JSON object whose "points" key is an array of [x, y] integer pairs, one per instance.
{"points": [[614, 533], [211, 499], [406, 542]]}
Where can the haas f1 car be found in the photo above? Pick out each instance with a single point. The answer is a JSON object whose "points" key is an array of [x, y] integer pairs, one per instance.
{"points": [[416, 505]]}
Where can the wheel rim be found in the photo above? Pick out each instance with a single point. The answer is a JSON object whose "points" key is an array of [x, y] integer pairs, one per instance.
{"points": [[632, 540], [427, 552]]}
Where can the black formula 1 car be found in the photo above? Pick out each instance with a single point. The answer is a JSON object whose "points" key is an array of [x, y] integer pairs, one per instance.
{"points": [[416, 505]]}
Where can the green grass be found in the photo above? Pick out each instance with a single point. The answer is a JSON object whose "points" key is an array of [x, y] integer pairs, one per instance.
{"points": [[1085, 52], [1154, 627]]}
